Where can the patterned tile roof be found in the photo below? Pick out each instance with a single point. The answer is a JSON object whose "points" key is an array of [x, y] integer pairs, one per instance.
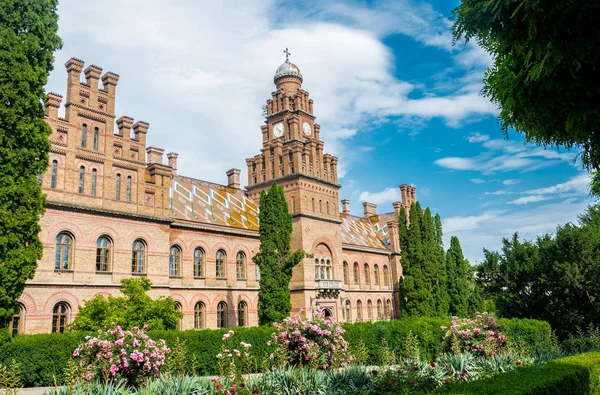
{"points": [[202, 201], [371, 232], [207, 202]]}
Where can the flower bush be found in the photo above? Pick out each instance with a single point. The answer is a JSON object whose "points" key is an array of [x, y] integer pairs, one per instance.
{"points": [[478, 334], [317, 343], [116, 355], [234, 361]]}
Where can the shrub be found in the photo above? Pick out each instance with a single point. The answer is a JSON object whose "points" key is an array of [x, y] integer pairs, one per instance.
{"points": [[578, 374], [317, 342], [115, 355], [534, 334], [479, 334]]}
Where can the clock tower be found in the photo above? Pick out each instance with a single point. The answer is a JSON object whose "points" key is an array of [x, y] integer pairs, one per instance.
{"points": [[292, 155]]}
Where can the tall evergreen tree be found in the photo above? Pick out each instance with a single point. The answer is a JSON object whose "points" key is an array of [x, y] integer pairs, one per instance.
{"points": [[430, 264], [440, 294], [275, 257], [28, 38], [458, 270]]}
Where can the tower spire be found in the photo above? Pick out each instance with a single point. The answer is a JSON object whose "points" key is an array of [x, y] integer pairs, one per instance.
{"points": [[287, 54]]}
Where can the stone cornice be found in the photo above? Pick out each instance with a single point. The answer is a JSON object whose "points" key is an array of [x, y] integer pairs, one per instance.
{"points": [[312, 216], [125, 166], [292, 176], [162, 286], [106, 213], [89, 158], [58, 151], [344, 290], [215, 228], [77, 105], [371, 250]]}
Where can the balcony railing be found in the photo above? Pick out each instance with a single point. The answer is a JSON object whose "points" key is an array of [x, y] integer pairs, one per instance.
{"points": [[328, 288]]}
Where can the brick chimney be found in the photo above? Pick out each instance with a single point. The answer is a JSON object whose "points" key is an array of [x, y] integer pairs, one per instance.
{"points": [[155, 155], [370, 209], [233, 178], [346, 206], [172, 157]]}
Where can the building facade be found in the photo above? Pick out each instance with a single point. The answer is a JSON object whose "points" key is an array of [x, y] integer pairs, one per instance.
{"points": [[116, 209]]}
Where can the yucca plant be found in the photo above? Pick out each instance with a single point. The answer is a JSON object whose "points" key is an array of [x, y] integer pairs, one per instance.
{"points": [[293, 381], [350, 380], [460, 366], [176, 385], [93, 388]]}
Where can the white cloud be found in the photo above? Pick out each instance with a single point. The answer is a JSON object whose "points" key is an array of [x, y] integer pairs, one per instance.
{"points": [[457, 163], [388, 195], [477, 138], [477, 180], [455, 224], [499, 192], [203, 70], [529, 199], [510, 182], [579, 184]]}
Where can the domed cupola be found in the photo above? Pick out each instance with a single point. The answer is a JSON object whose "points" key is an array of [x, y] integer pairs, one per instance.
{"points": [[287, 69]]}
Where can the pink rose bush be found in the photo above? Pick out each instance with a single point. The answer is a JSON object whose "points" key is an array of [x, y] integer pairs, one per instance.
{"points": [[318, 343], [117, 354], [478, 334], [234, 358]]}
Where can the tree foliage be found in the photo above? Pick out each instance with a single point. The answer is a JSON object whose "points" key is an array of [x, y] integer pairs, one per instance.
{"points": [[458, 279], [136, 308], [275, 258], [545, 64], [554, 278], [28, 38]]}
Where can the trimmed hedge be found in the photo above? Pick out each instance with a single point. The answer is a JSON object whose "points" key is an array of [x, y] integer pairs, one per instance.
{"points": [[43, 357], [575, 375]]}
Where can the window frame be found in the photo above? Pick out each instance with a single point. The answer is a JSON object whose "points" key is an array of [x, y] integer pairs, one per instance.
{"points": [[199, 257], [199, 315], [242, 314], [222, 314], [136, 254], [60, 319], [59, 255], [175, 261], [54, 175], [220, 264], [104, 255], [240, 265]]}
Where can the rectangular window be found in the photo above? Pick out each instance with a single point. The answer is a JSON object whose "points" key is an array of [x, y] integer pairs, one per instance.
{"points": [[128, 188], [94, 175], [118, 188], [96, 132], [83, 135], [54, 171], [81, 179]]}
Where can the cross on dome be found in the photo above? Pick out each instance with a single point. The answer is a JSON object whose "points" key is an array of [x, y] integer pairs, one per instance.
{"points": [[287, 54]]}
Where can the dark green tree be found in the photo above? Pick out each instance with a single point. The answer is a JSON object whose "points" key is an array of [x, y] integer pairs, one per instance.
{"points": [[136, 308], [440, 294], [275, 257], [545, 67], [458, 270], [28, 39]]}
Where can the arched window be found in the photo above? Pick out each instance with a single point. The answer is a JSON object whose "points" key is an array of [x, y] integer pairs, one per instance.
{"points": [[242, 321], [356, 274], [179, 309], [376, 274], [64, 251], [81, 179], [17, 321], [83, 135], [320, 206], [369, 310], [346, 275], [328, 269], [199, 315], [199, 262], [103, 254], [313, 204], [222, 315], [379, 309], [257, 268], [60, 317], [94, 176], [327, 207], [386, 276], [118, 187], [388, 309], [348, 311], [138, 257], [128, 190], [174, 261], [96, 133], [359, 311], [220, 264], [240, 266], [54, 171], [367, 274]]}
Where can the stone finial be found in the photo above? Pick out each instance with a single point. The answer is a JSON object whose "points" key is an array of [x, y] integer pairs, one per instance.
{"points": [[155, 155], [233, 178], [124, 125], [110, 78], [92, 75], [370, 209], [74, 65]]}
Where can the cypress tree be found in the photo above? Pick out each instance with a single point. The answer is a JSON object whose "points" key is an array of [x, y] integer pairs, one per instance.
{"points": [[429, 260], [275, 258], [442, 300], [28, 37], [458, 270]]}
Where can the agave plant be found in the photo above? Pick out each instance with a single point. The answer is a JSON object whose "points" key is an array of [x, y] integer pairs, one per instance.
{"points": [[293, 381], [93, 388], [176, 385], [460, 366], [354, 379]]}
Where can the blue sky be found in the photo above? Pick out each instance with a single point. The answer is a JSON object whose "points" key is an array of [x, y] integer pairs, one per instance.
{"points": [[398, 103]]}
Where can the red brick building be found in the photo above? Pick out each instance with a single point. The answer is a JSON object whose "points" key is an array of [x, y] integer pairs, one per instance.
{"points": [[117, 209]]}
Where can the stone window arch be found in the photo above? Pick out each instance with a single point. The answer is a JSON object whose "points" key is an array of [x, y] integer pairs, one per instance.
{"points": [[386, 276], [376, 274], [103, 254], [379, 309], [222, 315], [118, 187], [369, 310], [94, 177], [388, 309], [54, 174], [240, 266], [346, 274], [356, 274], [96, 136], [128, 189], [17, 322], [348, 307], [323, 263], [83, 135], [367, 274], [138, 257], [81, 179], [221, 261], [242, 314], [179, 309], [359, 311]]}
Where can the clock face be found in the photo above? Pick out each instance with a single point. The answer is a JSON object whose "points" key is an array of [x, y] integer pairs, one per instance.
{"points": [[278, 129], [306, 128]]}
